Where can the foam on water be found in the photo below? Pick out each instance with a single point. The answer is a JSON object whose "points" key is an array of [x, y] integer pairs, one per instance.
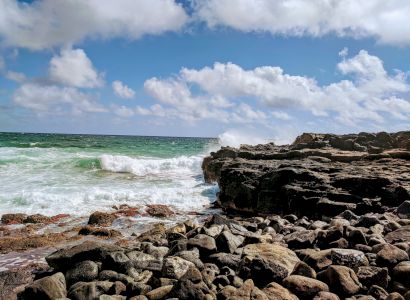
{"points": [[79, 181], [149, 166]]}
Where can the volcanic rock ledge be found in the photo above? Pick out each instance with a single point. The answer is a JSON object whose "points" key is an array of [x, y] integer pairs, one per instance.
{"points": [[319, 175]]}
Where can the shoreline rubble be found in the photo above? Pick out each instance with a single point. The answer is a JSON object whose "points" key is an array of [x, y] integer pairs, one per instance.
{"points": [[327, 217]]}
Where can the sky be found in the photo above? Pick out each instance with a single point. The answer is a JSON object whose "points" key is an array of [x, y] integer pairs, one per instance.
{"points": [[240, 69]]}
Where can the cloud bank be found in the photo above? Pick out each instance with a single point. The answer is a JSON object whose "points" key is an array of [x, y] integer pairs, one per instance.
{"points": [[44, 24], [380, 19], [229, 93]]}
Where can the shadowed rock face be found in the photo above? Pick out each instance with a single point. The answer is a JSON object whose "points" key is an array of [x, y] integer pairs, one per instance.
{"points": [[318, 175]]}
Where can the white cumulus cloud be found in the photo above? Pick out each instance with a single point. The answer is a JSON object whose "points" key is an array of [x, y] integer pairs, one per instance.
{"points": [[44, 24], [52, 99], [367, 93], [383, 20], [73, 68], [122, 90]]}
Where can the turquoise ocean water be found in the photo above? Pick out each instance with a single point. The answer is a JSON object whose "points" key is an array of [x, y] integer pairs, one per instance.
{"points": [[78, 174]]}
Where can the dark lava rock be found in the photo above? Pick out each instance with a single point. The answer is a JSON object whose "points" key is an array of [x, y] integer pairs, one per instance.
{"points": [[83, 271], [13, 218], [370, 275], [37, 218], [348, 257], [403, 211], [159, 211], [401, 273], [14, 281], [228, 242], [286, 180], [303, 269], [101, 218], [65, 258]]}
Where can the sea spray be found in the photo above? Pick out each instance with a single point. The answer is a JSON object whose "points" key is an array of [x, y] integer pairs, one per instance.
{"points": [[78, 174]]}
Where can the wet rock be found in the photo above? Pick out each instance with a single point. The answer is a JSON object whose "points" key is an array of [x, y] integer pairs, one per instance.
{"points": [[390, 255], [65, 258], [348, 257], [83, 271], [101, 232], [50, 287], [159, 211], [275, 291], [37, 218], [341, 280], [304, 287], [13, 218], [370, 275], [228, 242], [101, 219]]}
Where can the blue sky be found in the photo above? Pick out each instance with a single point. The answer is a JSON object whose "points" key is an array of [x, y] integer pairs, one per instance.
{"points": [[259, 69]]}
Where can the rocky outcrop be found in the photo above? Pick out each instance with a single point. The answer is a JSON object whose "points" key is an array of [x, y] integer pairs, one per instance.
{"points": [[319, 175]]}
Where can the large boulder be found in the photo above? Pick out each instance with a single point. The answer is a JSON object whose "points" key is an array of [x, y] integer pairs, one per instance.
{"points": [[101, 218], [341, 280], [274, 253], [304, 287], [67, 257], [83, 271], [47, 288]]}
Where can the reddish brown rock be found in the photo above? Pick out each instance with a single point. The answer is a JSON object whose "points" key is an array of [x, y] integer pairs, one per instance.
{"points": [[101, 219], [9, 219], [159, 211]]}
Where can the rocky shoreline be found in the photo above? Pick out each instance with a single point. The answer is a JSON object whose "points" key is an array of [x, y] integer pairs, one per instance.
{"points": [[327, 217]]}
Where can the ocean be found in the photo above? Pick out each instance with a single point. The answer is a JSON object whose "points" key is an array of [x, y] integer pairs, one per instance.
{"points": [[54, 174]]}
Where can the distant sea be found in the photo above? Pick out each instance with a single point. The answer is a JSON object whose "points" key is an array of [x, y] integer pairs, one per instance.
{"points": [[77, 174]]}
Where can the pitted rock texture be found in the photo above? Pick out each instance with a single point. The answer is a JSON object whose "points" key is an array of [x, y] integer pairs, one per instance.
{"points": [[318, 175]]}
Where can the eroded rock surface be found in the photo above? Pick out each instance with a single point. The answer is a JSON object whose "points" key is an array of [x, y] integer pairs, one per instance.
{"points": [[318, 175]]}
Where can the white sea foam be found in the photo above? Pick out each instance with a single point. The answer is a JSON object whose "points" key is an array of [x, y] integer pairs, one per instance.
{"points": [[49, 181], [147, 166], [235, 138]]}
